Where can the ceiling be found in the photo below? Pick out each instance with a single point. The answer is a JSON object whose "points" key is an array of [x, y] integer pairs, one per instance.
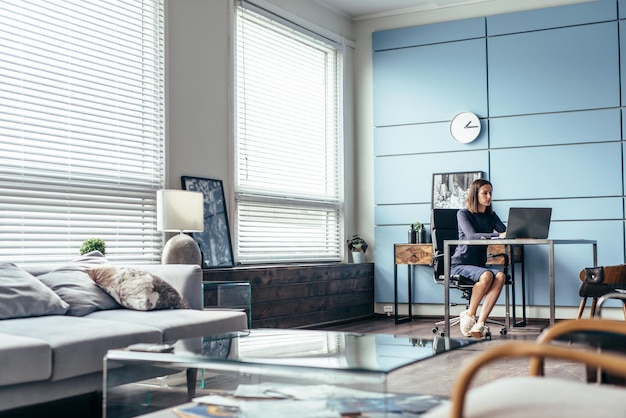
{"points": [[356, 9]]}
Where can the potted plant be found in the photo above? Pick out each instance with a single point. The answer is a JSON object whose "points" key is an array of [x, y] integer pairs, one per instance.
{"points": [[417, 233], [358, 246], [93, 244]]}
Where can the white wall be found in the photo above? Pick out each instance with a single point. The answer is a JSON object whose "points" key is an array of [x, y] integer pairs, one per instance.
{"points": [[199, 93], [198, 83]]}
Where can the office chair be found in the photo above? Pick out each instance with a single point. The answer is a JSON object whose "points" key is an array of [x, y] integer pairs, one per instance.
{"points": [[600, 281], [444, 226]]}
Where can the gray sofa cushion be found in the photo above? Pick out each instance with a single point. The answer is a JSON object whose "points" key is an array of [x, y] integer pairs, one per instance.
{"points": [[22, 295], [72, 283], [79, 291], [24, 359], [181, 323], [79, 344]]}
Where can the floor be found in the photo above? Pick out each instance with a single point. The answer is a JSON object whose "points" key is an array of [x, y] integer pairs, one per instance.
{"points": [[434, 376]]}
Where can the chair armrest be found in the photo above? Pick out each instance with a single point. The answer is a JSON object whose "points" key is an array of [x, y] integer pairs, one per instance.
{"points": [[570, 326], [612, 362]]}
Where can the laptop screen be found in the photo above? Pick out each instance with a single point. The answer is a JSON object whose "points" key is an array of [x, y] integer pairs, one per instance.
{"points": [[528, 223]]}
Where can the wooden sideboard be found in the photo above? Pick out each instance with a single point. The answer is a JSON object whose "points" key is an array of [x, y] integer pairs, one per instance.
{"points": [[297, 296]]}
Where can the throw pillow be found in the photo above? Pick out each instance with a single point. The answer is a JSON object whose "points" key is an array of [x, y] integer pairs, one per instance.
{"points": [[137, 289], [74, 285], [22, 295]]}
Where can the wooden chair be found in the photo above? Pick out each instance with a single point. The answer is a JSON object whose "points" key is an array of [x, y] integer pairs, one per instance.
{"points": [[537, 396], [600, 281]]}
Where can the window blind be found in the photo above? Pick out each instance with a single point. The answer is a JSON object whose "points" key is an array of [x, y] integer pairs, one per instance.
{"points": [[81, 128], [288, 144]]}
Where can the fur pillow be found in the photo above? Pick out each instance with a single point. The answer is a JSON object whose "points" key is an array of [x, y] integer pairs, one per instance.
{"points": [[137, 289]]}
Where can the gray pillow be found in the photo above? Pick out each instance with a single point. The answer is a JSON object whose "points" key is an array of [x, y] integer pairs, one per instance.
{"points": [[22, 295], [137, 289], [73, 284]]}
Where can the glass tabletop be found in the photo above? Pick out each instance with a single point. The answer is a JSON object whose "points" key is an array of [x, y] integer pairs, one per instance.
{"points": [[317, 349]]}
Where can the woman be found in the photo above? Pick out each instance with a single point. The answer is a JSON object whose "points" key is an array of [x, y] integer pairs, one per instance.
{"points": [[478, 221]]}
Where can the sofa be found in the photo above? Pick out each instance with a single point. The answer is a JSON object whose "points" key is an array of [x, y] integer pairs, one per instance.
{"points": [[57, 322]]}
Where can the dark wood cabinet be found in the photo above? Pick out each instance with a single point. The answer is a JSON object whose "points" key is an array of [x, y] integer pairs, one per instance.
{"points": [[299, 296]]}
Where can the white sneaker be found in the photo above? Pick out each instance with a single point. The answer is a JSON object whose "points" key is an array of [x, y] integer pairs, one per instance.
{"points": [[477, 330], [466, 324]]}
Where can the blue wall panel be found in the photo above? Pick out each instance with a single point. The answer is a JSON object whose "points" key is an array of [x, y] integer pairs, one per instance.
{"points": [[555, 128], [554, 70], [570, 259], [428, 84], [558, 171], [622, 53], [429, 34], [553, 17], [423, 138], [402, 214], [608, 208], [554, 134], [408, 178]]}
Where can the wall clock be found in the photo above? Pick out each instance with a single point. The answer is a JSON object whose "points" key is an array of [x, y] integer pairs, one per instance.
{"points": [[465, 127]]}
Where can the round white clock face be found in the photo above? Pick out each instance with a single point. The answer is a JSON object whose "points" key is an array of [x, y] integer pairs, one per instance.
{"points": [[465, 127]]}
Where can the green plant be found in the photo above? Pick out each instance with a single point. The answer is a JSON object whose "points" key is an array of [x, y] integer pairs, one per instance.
{"points": [[93, 244], [416, 226], [356, 243]]}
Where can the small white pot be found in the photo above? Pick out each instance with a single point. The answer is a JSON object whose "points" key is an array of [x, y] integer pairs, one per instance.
{"points": [[357, 257]]}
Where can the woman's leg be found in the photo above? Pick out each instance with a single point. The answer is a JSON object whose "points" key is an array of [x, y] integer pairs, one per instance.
{"points": [[491, 295], [480, 289]]}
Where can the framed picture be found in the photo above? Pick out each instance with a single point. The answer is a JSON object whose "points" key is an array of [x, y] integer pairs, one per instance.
{"points": [[450, 189], [214, 241]]}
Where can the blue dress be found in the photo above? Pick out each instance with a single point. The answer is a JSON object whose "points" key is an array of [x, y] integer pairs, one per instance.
{"points": [[470, 260]]}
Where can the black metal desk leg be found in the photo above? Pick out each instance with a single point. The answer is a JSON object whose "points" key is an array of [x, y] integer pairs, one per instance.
{"points": [[397, 318], [410, 280]]}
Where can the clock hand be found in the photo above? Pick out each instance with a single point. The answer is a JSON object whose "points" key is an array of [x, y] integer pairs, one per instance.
{"points": [[468, 125]]}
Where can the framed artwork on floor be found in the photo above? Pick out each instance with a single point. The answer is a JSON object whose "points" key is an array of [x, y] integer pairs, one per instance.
{"points": [[450, 189], [214, 242]]}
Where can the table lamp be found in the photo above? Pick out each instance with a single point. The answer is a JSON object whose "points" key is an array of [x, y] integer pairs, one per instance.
{"points": [[180, 211]]}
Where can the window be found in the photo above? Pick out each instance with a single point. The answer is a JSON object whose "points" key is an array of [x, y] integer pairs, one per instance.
{"points": [[288, 143], [81, 128]]}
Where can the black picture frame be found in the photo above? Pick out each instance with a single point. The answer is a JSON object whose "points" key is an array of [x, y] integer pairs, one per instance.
{"points": [[214, 242], [449, 190]]}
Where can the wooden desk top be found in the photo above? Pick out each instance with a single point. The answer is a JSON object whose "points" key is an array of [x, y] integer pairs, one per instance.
{"points": [[422, 254]]}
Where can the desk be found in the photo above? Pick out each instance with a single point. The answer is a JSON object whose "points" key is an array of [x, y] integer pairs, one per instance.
{"points": [[422, 255], [511, 242]]}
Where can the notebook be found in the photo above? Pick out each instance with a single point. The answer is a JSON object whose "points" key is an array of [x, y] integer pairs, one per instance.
{"points": [[528, 223]]}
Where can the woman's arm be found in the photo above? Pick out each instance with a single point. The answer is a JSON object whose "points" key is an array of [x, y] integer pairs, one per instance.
{"points": [[466, 226], [500, 227]]}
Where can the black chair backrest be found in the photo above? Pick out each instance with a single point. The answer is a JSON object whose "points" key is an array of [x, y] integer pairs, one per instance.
{"points": [[443, 226]]}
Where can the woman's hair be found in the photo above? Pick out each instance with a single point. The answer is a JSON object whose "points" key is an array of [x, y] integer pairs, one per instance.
{"points": [[472, 195]]}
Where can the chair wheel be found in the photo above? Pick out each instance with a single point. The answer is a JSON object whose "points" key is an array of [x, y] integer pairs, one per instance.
{"points": [[503, 331], [488, 335], [443, 334], [434, 330]]}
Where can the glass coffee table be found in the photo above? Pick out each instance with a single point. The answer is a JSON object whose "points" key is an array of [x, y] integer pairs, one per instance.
{"points": [[257, 358]]}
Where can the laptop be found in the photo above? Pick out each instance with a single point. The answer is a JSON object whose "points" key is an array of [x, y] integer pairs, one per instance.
{"points": [[528, 223]]}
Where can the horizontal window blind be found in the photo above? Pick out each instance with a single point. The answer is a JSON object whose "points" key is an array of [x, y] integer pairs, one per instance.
{"points": [[81, 128], [288, 187]]}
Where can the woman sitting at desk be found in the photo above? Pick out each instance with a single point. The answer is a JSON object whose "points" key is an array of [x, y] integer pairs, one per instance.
{"points": [[478, 221]]}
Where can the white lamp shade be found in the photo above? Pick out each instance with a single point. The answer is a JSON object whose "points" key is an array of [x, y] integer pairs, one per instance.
{"points": [[180, 211]]}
